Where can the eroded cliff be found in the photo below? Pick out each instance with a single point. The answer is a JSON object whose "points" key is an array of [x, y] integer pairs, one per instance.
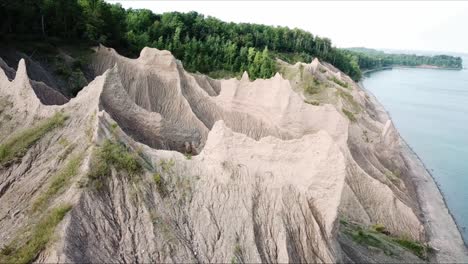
{"points": [[150, 163]]}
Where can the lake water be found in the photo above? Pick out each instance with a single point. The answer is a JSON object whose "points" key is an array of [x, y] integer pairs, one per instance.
{"points": [[430, 110]]}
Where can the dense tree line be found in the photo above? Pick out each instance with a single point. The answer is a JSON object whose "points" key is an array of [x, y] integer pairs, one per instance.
{"points": [[374, 59], [204, 44]]}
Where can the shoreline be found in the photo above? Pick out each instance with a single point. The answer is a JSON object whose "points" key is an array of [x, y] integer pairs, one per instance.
{"points": [[409, 67], [442, 231]]}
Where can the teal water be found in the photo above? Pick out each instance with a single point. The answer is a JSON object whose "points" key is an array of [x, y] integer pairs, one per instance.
{"points": [[430, 110]]}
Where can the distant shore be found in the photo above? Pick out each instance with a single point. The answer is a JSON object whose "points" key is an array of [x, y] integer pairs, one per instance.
{"points": [[424, 66]]}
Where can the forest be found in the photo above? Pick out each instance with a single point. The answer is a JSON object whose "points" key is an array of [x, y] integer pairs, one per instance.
{"points": [[204, 44], [373, 59]]}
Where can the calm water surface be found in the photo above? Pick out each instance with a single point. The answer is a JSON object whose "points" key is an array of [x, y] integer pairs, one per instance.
{"points": [[430, 110]]}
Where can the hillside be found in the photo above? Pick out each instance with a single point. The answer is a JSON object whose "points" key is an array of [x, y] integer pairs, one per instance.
{"points": [[151, 163]]}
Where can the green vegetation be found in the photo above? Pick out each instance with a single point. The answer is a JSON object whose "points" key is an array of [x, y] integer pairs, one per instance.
{"points": [[37, 240], [369, 59], [366, 136], [71, 72], [167, 165], [417, 248], [379, 228], [238, 254], [378, 237], [349, 99], [311, 84], [4, 104], [160, 184], [340, 83], [311, 88], [58, 183], [64, 142], [204, 44], [312, 102], [17, 145], [367, 238], [349, 114], [112, 154]]}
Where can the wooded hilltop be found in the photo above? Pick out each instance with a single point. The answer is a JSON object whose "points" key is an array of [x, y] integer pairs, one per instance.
{"points": [[204, 44]]}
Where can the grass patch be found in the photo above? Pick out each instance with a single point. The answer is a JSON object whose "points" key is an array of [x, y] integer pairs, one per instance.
{"points": [[417, 248], [160, 184], [312, 86], [312, 102], [379, 228], [71, 72], [349, 99], [38, 239], [339, 82], [167, 165], [59, 181], [112, 154], [17, 146], [350, 115], [238, 253], [64, 142], [4, 104], [378, 237], [164, 226], [364, 237], [394, 177]]}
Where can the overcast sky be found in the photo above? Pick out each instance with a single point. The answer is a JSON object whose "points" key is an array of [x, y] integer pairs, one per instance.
{"points": [[419, 25]]}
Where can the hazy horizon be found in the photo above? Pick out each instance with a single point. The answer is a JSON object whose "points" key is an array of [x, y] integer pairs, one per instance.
{"points": [[387, 25]]}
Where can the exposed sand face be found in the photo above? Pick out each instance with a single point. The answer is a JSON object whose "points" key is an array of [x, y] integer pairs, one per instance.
{"points": [[257, 109], [272, 178]]}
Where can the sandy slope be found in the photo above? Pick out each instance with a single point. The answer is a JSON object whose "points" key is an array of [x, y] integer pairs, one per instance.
{"points": [[270, 179]]}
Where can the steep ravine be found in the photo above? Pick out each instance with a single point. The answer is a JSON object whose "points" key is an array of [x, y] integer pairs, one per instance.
{"points": [[150, 163]]}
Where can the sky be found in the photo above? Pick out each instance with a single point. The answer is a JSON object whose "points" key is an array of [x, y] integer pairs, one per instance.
{"points": [[439, 26]]}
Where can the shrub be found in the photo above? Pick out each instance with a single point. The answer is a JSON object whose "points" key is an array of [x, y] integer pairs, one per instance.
{"points": [[311, 84], [61, 68], [365, 238], [311, 88], [7, 250], [167, 165], [160, 184], [414, 246], [40, 235], [379, 228], [76, 81], [4, 104], [378, 237], [339, 82], [17, 146], [350, 115], [312, 102], [112, 154]]}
